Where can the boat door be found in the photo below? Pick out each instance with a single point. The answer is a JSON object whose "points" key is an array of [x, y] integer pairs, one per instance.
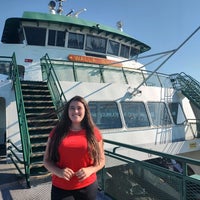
{"points": [[2, 126]]}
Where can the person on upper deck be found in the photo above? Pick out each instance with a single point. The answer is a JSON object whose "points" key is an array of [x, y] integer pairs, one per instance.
{"points": [[74, 153]]}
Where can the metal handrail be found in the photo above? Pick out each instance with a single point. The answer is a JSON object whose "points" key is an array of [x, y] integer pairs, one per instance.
{"points": [[53, 83], [187, 84], [153, 152], [184, 178], [23, 125]]}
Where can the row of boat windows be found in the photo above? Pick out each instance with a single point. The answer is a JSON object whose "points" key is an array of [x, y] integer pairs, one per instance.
{"points": [[96, 44], [106, 115], [95, 73]]}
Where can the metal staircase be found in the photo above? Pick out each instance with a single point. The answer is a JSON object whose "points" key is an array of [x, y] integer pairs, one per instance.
{"points": [[188, 86], [37, 116], [39, 104], [41, 118]]}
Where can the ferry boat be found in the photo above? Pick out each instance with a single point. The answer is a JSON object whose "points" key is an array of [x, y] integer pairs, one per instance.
{"points": [[47, 58]]}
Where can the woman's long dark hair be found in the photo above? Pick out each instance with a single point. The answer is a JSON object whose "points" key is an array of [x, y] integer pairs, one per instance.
{"points": [[63, 127]]}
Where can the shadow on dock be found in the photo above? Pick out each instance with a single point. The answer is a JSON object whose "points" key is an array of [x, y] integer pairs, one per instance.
{"points": [[13, 186]]}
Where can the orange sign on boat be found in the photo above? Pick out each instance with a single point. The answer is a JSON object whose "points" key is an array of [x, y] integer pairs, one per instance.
{"points": [[93, 60]]}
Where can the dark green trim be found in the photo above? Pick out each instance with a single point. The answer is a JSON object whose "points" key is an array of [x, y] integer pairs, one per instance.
{"points": [[73, 21]]}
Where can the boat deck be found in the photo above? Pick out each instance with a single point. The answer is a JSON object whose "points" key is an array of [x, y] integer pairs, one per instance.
{"points": [[13, 187]]}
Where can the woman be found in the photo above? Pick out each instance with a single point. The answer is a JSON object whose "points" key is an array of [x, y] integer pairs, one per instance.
{"points": [[74, 153]]}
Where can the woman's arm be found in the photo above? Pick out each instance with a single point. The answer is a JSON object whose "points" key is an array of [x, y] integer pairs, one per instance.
{"points": [[84, 173], [66, 173]]}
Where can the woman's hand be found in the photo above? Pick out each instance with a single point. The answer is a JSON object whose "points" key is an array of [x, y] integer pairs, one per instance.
{"points": [[83, 173], [66, 173]]}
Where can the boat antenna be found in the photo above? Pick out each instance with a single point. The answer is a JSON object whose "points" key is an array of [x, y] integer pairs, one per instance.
{"points": [[70, 12], [76, 14], [52, 6], [120, 26], [60, 7]]}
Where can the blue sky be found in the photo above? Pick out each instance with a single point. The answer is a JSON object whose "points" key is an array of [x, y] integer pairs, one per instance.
{"points": [[162, 24]]}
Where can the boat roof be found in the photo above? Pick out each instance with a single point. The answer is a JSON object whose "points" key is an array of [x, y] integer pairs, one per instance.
{"points": [[13, 23]]}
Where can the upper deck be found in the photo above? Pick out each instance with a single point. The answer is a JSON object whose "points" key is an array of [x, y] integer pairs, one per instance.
{"points": [[71, 33]]}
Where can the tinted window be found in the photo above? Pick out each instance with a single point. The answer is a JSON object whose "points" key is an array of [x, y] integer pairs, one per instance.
{"points": [[113, 48], [177, 113], [56, 38], [105, 115], [95, 44], [75, 40], [51, 38], [134, 52], [159, 113], [135, 114], [60, 39], [124, 52], [35, 35]]}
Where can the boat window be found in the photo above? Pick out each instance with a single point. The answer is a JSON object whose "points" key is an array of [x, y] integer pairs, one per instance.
{"points": [[113, 48], [113, 75], [75, 40], [96, 44], [64, 72], [134, 52], [133, 78], [6, 70], [105, 114], [165, 81], [56, 38], [153, 80], [13, 31], [159, 113], [177, 113], [124, 52], [135, 114], [35, 35], [88, 74]]}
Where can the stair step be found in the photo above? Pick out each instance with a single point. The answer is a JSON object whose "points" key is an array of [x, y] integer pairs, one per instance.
{"points": [[40, 109], [36, 96], [38, 102], [37, 159], [26, 87], [38, 122], [35, 92], [42, 114], [41, 127], [41, 144], [39, 136], [28, 82], [34, 86], [38, 147], [38, 139], [37, 155], [39, 106]]}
